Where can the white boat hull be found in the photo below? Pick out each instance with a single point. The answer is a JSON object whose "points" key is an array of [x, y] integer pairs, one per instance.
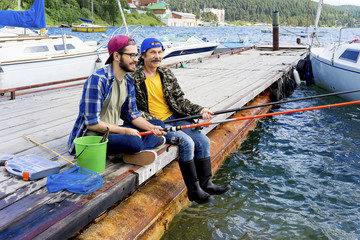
{"points": [[335, 75], [26, 73], [187, 53]]}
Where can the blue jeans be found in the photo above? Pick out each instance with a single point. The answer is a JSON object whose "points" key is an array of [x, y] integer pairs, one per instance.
{"points": [[123, 143], [195, 145]]}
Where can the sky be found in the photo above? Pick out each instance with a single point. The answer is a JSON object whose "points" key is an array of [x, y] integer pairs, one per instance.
{"points": [[341, 2]]}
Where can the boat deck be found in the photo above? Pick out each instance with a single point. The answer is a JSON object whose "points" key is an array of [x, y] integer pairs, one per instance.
{"points": [[27, 209]]}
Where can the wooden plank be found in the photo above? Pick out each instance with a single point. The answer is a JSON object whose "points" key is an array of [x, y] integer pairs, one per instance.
{"points": [[147, 172], [228, 82], [34, 221], [32, 204], [66, 227], [25, 104], [26, 206]]}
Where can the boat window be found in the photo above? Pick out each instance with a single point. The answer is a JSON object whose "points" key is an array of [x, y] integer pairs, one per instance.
{"points": [[350, 55], [61, 47], [36, 49]]}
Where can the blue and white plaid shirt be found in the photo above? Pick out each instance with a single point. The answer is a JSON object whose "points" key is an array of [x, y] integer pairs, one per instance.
{"points": [[97, 89]]}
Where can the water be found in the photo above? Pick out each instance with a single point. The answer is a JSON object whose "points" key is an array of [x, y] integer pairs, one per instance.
{"points": [[251, 35], [295, 177]]}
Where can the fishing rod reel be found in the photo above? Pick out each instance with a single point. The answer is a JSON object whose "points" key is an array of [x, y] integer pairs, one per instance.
{"points": [[197, 128], [174, 141]]}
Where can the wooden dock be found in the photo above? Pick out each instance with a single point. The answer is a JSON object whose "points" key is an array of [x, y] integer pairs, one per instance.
{"points": [[29, 211]]}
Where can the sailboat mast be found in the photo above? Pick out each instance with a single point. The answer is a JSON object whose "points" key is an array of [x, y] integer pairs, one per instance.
{"points": [[19, 5], [92, 11], [123, 17], [320, 4], [307, 21]]}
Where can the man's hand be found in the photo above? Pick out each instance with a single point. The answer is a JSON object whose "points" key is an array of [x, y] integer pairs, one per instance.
{"points": [[158, 131], [131, 131], [206, 114]]}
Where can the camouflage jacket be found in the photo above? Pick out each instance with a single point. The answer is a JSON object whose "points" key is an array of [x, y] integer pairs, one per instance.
{"points": [[173, 94]]}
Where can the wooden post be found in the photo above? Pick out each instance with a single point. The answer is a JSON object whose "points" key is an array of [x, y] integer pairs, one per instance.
{"points": [[275, 31]]}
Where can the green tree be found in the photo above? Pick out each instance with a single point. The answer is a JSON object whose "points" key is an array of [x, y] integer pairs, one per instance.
{"points": [[209, 17]]}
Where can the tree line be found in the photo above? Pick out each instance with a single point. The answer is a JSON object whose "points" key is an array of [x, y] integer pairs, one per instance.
{"points": [[294, 12], [69, 11]]}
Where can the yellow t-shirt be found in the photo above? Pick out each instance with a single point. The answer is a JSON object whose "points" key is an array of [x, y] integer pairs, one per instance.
{"points": [[158, 106]]}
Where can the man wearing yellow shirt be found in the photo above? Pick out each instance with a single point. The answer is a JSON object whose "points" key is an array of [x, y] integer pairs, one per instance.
{"points": [[159, 96]]}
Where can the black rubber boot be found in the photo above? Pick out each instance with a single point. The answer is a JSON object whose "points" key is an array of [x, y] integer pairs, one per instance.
{"points": [[203, 170], [195, 193]]}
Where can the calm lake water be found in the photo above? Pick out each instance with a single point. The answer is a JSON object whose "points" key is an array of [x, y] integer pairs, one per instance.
{"points": [[251, 35], [297, 176]]}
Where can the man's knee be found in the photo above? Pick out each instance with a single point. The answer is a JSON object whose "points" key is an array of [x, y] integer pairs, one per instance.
{"points": [[188, 144]]}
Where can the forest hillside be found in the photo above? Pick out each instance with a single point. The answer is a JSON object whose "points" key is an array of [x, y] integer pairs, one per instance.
{"points": [[293, 12]]}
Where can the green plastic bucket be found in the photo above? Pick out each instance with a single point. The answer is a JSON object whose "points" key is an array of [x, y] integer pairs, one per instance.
{"points": [[94, 156]]}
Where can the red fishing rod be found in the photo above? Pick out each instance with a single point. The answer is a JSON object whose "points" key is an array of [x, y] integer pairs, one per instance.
{"points": [[177, 128], [262, 105]]}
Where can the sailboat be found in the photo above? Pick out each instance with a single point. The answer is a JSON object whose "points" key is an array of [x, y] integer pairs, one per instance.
{"points": [[336, 67], [28, 61], [88, 26]]}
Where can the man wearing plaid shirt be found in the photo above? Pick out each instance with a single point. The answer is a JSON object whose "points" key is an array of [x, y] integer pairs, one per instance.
{"points": [[108, 96]]}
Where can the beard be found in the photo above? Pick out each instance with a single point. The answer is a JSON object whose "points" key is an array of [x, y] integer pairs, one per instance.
{"points": [[125, 67]]}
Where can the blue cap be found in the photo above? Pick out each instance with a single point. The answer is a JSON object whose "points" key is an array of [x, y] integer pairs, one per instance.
{"points": [[150, 43]]}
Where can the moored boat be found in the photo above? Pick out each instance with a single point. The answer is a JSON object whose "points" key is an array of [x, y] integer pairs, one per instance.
{"points": [[16, 31], [184, 47], [336, 67], [85, 27], [41, 59], [36, 60], [88, 27]]}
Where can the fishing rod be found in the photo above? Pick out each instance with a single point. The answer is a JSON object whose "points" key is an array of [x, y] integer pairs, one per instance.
{"points": [[261, 105], [177, 128]]}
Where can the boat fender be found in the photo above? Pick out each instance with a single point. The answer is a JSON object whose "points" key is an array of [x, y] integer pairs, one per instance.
{"points": [[98, 63], [1, 78], [308, 78], [275, 95], [308, 73], [289, 87], [292, 85], [301, 68], [296, 77]]}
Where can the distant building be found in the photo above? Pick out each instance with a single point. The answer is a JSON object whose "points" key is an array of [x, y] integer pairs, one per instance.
{"points": [[142, 3], [170, 18], [163, 12], [220, 13], [159, 8], [132, 7], [180, 19]]}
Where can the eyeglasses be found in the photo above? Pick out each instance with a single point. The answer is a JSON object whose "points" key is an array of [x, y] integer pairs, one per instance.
{"points": [[132, 55]]}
